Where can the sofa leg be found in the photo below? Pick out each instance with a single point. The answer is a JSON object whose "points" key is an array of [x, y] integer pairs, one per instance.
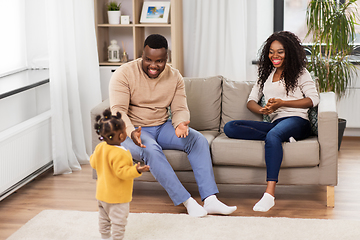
{"points": [[330, 202]]}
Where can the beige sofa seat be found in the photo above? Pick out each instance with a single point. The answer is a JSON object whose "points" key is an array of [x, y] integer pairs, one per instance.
{"points": [[213, 101], [237, 152]]}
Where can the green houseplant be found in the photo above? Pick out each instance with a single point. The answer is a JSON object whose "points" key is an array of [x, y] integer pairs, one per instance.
{"points": [[332, 26], [114, 12], [113, 6]]}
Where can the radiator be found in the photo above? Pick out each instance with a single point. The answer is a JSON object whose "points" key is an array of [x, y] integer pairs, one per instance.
{"points": [[25, 152]]}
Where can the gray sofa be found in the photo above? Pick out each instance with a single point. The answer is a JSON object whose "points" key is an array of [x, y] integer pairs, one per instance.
{"points": [[213, 101]]}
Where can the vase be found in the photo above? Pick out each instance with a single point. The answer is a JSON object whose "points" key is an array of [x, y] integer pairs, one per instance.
{"points": [[114, 17]]}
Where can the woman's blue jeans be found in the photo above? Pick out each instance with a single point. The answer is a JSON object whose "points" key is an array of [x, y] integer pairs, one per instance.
{"points": [[273, 134]]}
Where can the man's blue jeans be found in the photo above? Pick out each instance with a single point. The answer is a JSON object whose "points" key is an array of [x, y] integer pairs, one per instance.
{"points": [[163, 137], [273, 134]]}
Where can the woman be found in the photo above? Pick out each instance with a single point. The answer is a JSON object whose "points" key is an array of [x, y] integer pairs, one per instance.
{"points": [[289, 91]]}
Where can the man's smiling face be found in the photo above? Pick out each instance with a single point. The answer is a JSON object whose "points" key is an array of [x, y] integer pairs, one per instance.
{"points": [[154, 61]]}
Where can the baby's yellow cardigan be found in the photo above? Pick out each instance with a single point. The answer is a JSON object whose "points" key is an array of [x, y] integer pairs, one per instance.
{"points": [[115, 172]]}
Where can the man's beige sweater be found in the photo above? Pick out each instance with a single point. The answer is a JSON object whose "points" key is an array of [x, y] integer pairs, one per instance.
{"points": [[144, 101]]}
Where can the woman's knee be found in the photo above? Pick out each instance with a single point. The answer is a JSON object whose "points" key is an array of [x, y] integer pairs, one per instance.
{"points": [[272, 137], [228, 128]]}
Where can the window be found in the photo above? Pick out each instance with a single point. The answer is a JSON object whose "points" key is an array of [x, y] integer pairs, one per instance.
{"points": [[12, 41], [295, 18], [291, 16]]}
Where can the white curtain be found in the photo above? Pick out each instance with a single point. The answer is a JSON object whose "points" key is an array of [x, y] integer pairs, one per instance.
{"points": [[215, 38], [74, 80]]}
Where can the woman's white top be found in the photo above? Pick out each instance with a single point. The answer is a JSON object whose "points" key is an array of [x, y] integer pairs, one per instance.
{"points": [[306, 88]]}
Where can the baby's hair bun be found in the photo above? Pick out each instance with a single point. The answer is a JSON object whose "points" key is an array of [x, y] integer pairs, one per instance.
{"points": [[107, 113], [118, 115]]}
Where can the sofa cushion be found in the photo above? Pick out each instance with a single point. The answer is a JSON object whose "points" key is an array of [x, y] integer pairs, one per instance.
{"points": [[204, 102], [234, 99], [177, 159], [252, 175], [237, 152], [210, 135]]}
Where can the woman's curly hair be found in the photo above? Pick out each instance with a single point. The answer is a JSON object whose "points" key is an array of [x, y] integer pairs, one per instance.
{"points": [[295, 60], [107, 126]]}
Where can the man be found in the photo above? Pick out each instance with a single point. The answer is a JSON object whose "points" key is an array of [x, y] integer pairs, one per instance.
{"points": [[142, 90]]}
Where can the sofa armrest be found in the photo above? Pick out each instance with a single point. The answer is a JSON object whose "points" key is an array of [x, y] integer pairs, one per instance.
{"points": [[97, 110], [328, 138]]}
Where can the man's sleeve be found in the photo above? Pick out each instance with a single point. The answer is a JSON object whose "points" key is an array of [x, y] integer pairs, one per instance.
{"points": [[179, 109]]}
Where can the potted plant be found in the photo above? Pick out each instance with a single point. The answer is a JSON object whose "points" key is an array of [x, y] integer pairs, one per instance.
{"points": [[332, 26], [114, 12]]}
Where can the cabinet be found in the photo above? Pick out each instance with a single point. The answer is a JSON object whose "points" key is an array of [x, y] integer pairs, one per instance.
{"points": [[131, 36]]}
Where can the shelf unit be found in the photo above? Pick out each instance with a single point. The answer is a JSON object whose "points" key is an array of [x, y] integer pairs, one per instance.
{"points": [[134, 34]]}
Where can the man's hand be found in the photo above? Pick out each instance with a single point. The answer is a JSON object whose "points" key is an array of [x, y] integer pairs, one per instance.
{"points": [[182, 130], [135, 136]]}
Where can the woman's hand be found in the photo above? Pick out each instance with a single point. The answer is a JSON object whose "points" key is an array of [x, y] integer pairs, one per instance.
{"points": [[272, 105], [265, 110]]}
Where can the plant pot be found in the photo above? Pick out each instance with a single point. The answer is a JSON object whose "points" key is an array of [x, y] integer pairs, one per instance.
{"points": [[114, 17], [341, 129]]}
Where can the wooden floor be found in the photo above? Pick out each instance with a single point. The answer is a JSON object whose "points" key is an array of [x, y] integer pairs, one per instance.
{"points": [[76, 191]]}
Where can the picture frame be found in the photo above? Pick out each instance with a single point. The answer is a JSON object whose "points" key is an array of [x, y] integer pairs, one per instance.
{"points": [[155, 12]]}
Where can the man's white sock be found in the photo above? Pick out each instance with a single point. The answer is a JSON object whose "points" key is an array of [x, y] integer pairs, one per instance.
{"points": [[213, 206], [194, 209], [265, 203]]}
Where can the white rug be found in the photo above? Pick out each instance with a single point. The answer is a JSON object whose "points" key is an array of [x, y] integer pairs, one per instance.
{"points": [[77, 225]]}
